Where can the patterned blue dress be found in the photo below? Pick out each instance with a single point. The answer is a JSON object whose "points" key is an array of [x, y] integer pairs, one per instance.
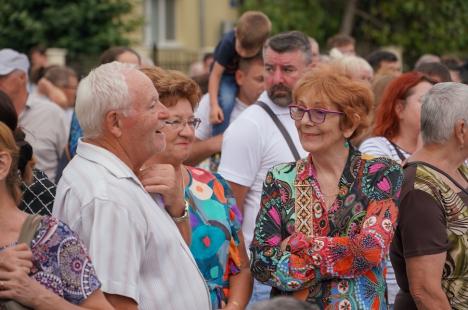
{"points": [[216, 222]]}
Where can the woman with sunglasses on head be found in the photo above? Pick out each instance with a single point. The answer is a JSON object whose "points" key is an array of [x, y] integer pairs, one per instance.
{"points": [[211, 214], [326, 221]]}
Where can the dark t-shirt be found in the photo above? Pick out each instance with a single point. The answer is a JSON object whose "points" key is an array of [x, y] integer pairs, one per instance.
{"points": [[421, 230], [225, 53]]}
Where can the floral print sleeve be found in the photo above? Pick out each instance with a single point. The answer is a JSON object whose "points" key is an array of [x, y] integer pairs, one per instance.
{"points": [[61, 262], [348, 239]]}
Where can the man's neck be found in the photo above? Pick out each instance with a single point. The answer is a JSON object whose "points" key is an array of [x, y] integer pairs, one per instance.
{"points": [[115, 148]]}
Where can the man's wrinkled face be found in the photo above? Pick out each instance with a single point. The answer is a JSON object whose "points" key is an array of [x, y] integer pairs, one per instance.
{"points": [[281, 72], [142, 123]]}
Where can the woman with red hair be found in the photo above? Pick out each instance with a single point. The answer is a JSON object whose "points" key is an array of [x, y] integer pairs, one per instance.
{"points": [[396, 131], [396, 128]]}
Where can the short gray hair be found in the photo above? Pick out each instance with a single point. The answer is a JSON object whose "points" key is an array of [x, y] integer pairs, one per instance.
{"points": [[104, 89], [442, 106], [351, 63], [290, 41]]}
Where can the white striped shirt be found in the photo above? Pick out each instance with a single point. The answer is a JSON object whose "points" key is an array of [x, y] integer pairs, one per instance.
{"points": [[134, 244], [381, 147]]}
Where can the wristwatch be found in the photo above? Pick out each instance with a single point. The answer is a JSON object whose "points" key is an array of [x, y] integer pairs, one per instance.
{"points": [[184, 216]]}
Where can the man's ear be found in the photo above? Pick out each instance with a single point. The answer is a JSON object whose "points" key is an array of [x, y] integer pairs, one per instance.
{"points": [[113, 123], [5, 164], [239, 75]]}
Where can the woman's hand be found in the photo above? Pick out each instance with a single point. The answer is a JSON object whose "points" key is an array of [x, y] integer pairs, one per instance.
{"points": [[284, 243], [16, 257], [163, 179], [18, 286]]}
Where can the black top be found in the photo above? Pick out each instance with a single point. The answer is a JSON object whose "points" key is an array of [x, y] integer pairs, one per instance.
{"points": [[421, 230], [225, 53], [39, 196]]}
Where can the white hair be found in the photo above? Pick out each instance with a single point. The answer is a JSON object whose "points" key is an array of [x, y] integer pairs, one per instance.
{"points": [[104, 89], [426, 58], [351, 63], [335, 53], [442, 107]]}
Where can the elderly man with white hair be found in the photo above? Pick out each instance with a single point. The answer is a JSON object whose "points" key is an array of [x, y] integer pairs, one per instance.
{"points": [[133, 237], [430, 249]]}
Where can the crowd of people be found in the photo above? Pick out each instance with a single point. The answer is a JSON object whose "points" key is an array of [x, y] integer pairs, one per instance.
{"points": [[297, 181]]}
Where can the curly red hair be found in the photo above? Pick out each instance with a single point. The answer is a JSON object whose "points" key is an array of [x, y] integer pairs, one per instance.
{"points": [[387, 123]]}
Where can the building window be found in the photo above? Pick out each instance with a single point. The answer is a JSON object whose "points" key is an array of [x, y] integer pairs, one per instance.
{"points": [[161, 22]]}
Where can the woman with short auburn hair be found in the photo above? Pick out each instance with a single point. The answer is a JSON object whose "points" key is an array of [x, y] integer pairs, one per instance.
{"points": [[396, 127], [326, 221], [430, 248], [217, 243]]}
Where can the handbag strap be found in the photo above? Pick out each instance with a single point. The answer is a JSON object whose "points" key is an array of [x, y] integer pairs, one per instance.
{"points": [[415, 163], [281, 128], [29, 228], [398, 151], [27, 233]]}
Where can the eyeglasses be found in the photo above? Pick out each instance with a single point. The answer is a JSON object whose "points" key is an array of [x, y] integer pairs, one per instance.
{"points": [[316, 116], [179, 125]]}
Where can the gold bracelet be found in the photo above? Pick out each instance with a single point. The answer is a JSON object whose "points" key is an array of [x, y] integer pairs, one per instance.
{"points": [[235, 303]]}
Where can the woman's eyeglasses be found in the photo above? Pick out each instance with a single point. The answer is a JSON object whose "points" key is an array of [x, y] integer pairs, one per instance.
{"points": [[316, 116], [179, 124]]}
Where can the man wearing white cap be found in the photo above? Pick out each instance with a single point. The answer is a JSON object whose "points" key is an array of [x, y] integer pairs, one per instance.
{"points": [[41, 119]]}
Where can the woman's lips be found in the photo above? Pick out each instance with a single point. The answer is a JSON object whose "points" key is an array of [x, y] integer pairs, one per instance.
{"points": [[307, 134]]}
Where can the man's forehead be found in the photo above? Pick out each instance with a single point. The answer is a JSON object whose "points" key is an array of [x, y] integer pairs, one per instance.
{"points": [[290, 57], [141, 85]]}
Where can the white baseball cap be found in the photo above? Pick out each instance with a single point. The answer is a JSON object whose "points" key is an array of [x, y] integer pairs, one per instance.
{"points": [[11, 60]]}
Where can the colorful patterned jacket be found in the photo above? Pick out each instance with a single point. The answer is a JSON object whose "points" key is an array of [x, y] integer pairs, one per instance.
{"points": [[336, 254]]}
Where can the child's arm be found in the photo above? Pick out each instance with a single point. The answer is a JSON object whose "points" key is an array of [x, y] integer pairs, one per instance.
{"points": [[216, 114], [55, 94]]}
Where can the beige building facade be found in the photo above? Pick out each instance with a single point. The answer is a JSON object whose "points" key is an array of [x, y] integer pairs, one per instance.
{"points": [[177, 32]]}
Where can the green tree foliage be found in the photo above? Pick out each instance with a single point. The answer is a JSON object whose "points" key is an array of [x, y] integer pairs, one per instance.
{"points": [[303, 15], [420, 27], [83, 27], [417, 26]]}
